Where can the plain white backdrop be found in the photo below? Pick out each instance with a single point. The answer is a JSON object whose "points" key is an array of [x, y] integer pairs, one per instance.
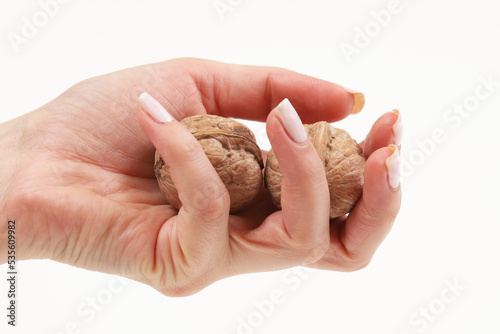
{"points": [[437, 272]]}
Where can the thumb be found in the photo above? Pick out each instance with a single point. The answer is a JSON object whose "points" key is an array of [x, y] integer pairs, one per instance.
{"points": [[202, 222], [305, 198]]}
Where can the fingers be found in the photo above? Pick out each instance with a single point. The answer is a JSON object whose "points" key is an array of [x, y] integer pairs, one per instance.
{"points": [[205, 202], [297, 234], [372, 218], [305, 198], [388, 129], [355, 239], [250, 92]]}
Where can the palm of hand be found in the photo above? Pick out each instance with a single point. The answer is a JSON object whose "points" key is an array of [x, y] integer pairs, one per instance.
{"points": [[88, 190], [91, 180]]}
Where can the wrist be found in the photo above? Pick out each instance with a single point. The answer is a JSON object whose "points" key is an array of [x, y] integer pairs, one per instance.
{"points": [[6, 171], [12, 151]]}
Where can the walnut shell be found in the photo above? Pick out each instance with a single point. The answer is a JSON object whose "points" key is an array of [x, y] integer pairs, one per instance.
{"points": [[231, 148], [344, 166]]}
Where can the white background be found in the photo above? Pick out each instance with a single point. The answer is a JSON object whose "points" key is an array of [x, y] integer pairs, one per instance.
{"points": [[426, 60]]}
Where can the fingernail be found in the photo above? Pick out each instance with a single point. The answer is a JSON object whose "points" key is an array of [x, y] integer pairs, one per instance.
{"points": [[397, 129], [291, 121], [359, 100], [155, 109], [392, 164]]}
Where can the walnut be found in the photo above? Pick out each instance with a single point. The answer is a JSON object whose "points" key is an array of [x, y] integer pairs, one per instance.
{"points": [[231, 148], [344, 166]]}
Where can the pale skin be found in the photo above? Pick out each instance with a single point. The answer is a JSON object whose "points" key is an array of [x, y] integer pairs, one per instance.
{"points": [[77, 176]]}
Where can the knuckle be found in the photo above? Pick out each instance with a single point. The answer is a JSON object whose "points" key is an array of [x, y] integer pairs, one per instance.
{"points": [[188, 280], [310, 171], [316, 175], [312, 167], [359, 264], [356, 263], [191, 149], [372, 208], [315, 254], [340, 260], [181, 290], [211, 198], [310, 250]]}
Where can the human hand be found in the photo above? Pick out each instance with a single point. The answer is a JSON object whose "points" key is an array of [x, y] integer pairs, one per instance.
{"points": [[85, 193]]}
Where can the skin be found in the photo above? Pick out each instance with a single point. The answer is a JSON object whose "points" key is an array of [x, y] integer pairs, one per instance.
{"points": [[78, 179]]}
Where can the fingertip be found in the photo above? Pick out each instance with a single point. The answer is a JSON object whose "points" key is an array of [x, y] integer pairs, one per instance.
{"points": [[392, 165], [385, 131], [303, 188], [152, 118], [397, 129], [272, 125], [358, 100], [154, 108], [373, 216], [381, 190], [376, 167]]}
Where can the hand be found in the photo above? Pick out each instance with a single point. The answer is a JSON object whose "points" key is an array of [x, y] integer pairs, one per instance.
{"points": [[82, 190]]}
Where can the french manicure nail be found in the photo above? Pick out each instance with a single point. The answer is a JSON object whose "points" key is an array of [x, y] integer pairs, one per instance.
{"points": [[155, 109], [291, 121], [397, 129], [392, 164], [359, 100]]}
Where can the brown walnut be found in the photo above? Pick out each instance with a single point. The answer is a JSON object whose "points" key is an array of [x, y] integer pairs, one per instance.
{"points": [[344, 166], [231, 148]]}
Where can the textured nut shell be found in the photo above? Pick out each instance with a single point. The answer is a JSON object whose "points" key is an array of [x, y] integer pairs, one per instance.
{"points": [[344, 167], [231, 148]]}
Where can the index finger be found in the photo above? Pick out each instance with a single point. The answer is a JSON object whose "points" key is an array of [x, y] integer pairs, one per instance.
{"points": [[251, 92]]}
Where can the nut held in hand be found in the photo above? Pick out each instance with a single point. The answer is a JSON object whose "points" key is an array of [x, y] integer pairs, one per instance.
{"points": [[344, 166], [232, 149]]}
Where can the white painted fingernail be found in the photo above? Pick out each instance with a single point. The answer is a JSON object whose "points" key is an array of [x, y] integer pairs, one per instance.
{"points": [[155, 109], [291, 121], [397, 129], [392, 164]]}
